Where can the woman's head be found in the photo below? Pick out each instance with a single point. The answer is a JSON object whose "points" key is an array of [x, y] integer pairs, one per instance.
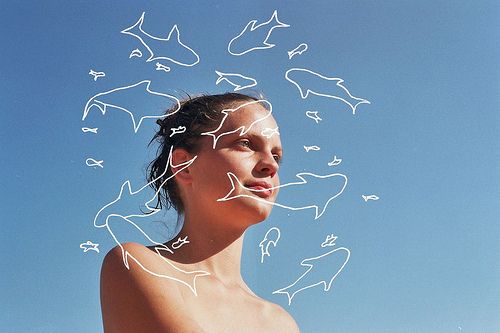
{"points": [[198, 115]]}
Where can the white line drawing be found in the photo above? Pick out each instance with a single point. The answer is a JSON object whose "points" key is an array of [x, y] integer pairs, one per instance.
{"points": [[298, 50], [244, 128], [177, 130], [460, 328], [329, 240], [316, 273], [271, 238], [88, 245], [309, 148], [269, 132], [176, 274], [135, 53], [336, 161], [335, 91], [151, 42], [98, 102], [252, 30], [96, 75], [161, 67], [314, 116], [87, 129], [180, 242], [238, 81], [103, 216], [91, 162], [370, 197], [303, 186]]}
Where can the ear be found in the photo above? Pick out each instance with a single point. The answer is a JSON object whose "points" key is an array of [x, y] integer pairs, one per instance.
{"points": [[180, 156]]}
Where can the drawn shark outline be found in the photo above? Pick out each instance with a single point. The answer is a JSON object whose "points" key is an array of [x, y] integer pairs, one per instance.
{"points": [[103, 106], [339, 84], [253, 28], [152, 56], [236, 183], [242, 129], [237, 87], [306, 263], [126, 186]]}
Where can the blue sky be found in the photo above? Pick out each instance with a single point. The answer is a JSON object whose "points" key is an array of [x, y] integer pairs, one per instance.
{"points": [[425, 257]]}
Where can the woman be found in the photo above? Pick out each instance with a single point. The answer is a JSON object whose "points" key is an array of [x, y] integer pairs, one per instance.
{"points": [[223, 139]]}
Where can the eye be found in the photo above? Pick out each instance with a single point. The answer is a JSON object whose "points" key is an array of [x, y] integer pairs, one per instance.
{"points": [[244, 143], [277, 158]]}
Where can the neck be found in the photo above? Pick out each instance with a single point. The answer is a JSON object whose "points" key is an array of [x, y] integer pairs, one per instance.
{"points": [[213, 247]]}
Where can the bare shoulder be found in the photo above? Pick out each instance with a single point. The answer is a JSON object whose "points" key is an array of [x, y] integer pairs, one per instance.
{"points": [[283, 320], [135, 300]]}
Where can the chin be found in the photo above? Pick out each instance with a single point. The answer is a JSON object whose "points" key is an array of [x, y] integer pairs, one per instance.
{"points": [[257, 210]]}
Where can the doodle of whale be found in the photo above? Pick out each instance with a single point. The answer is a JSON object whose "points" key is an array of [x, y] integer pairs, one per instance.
{"points": [[322, 269], [117, 99], [254, 36], [118, 231], [157, 46], [238, 81], [309, 82], [114, 218], [307, 184]]}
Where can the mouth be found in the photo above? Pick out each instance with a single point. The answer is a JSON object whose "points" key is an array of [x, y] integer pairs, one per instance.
{"points": [[261, 189]]}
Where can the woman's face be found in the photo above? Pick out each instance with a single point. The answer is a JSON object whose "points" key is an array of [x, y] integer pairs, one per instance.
{"points": [[252, 157]]}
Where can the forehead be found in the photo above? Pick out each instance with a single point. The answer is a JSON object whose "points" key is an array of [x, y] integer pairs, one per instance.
{"points": [[244, 119], [252, 116]]}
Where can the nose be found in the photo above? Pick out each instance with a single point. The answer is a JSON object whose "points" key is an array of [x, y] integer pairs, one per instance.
{"points": [[267, 165]]}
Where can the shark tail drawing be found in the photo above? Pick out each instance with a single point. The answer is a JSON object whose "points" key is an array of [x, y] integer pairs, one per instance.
{"points": [[276, 23]]}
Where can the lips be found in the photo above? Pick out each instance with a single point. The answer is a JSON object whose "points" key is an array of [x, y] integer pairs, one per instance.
{"points": [[261, 189]]}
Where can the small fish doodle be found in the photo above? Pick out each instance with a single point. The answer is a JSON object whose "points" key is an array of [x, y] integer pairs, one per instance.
{"points": [[309, 148], [88, 245], [96, 75], [370, 197]]}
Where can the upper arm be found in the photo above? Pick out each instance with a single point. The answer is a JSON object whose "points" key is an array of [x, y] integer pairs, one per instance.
{"points": [[132, 301]]}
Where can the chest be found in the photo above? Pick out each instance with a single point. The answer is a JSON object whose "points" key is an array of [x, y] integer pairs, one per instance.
{"points": [[223, 313]]}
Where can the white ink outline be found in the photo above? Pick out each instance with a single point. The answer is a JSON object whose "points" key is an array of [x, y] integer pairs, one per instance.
{"points": [[151, 53], [301, 48], [269, 132], [314, 116], [305, 263], [96, 75], [88, 129], [88, 245], [135, 53], [162, 67], [242, 129], [339, 84], [309, 148], [329, 240], [91, 162], [253, 27], [336, 161], [159, 246], [102, 106], [370, 197], [234, 180], [237, 87], [264, 247], [177, 130], [180, 242]]}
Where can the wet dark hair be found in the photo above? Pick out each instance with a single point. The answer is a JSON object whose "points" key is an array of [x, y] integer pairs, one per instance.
{"points": [[198, 114]]}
